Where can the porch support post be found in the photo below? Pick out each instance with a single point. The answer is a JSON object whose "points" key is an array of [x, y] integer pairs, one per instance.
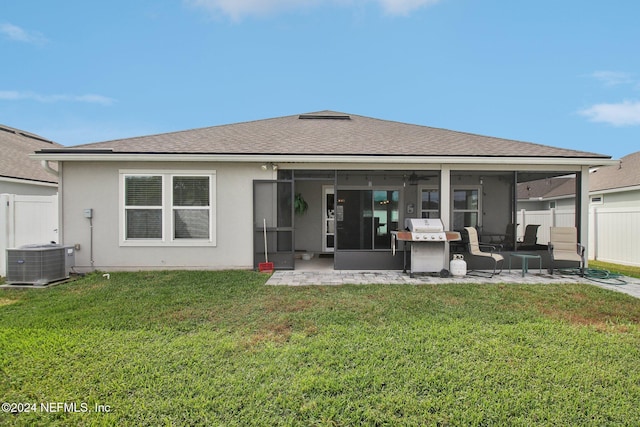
{"points": [[582, 209], [514, 211], [445, 204]]}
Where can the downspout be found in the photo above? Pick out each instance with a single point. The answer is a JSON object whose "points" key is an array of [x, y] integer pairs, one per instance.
{"points": [[56, 173], [45, 166]]}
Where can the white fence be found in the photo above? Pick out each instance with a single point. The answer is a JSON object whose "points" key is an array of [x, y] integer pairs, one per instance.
{"points": [[546, 219], [614, 233], [26, 220]]}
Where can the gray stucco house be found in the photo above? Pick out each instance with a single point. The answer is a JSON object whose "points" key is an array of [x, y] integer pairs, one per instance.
{"points": [[198, 199], [618, 185]]}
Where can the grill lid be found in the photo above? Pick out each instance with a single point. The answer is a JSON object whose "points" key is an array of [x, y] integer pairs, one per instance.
{"points": [[424, 225]]}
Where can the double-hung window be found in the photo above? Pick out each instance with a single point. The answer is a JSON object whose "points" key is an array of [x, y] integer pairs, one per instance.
{"points": [[466, 207], [167, 208], [429, 202], [191, 207], [143, 207]]}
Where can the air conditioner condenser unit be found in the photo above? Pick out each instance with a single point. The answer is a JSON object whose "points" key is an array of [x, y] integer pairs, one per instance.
{"points": [[39, 264]]}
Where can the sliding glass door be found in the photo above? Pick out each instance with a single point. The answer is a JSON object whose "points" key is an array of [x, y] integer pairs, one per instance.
{"points": [[365, 218]]}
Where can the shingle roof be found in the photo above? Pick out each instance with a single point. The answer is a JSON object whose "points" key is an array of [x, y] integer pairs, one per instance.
{"points": [[626, 174], [332, 133], [16, 145], [547, 188]]}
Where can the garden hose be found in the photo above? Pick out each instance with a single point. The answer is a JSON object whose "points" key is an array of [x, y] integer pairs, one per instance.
{"points": [[598, 275], [604, 276]]}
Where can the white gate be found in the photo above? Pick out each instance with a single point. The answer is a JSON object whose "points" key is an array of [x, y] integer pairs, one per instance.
{"points": [[26, 220]]}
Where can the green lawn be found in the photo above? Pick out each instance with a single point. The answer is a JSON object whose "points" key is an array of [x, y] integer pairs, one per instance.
{"points": [[616, 268], [220, 348]]}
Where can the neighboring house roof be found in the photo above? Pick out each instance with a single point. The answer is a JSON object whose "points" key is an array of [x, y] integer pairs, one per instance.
{"points": [[550, 188], [625, 174], [16, 146], [329, 133]]}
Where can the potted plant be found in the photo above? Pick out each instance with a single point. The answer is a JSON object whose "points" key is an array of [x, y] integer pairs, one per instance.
{"points": [[300, 205]]}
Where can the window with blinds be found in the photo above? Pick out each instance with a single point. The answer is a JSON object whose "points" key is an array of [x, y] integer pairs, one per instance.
{"points": [[168, 208], [191, 207], [143, 207]]}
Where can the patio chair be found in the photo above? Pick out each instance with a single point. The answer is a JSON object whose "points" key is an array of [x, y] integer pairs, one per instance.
{"points": [[508, 242], [475, 249], [564, 246], [530, 240]]}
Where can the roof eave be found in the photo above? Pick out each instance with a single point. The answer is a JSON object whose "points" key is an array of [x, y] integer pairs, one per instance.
{"points": [[18, 180], [108, 155], [615, 190]]}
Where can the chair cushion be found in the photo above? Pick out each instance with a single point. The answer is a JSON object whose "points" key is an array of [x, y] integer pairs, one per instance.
{"points": [[566, 256]]}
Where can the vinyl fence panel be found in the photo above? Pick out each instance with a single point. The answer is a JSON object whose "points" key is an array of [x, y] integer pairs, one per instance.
{"points": [[615, 235], [545, 219]]}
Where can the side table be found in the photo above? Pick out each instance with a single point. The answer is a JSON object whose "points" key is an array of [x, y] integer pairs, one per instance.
{"points": [[525, 257]]}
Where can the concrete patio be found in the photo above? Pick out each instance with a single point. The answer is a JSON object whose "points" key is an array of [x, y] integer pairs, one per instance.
{"points": [[628, 285]]}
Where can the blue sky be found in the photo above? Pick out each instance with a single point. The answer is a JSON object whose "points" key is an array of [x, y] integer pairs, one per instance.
{"points": [[562, 73]]}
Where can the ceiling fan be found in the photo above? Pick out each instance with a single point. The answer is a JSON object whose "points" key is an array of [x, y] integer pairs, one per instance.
{"points": [[414, 178]]}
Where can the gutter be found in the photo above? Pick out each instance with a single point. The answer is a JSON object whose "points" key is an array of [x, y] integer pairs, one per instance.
{"points": [[29, 181], [110, 156], [615, 190]]}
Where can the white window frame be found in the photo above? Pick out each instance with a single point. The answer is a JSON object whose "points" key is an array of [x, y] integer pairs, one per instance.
{"points": [[422, 188], [477, 188], [126, 208], [168, 208]]}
